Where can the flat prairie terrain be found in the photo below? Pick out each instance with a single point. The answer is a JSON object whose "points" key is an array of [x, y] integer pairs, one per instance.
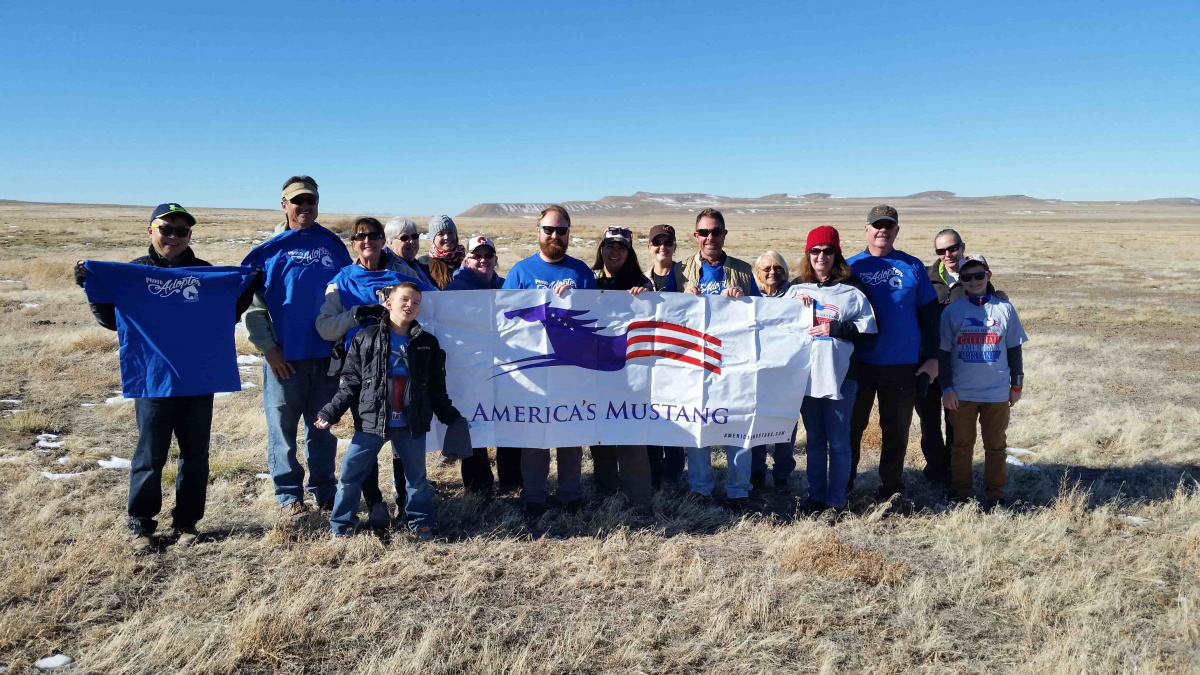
{"points": [[1095, 567]]}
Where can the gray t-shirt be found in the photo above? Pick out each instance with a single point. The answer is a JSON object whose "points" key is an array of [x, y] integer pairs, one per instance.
{"points": [[829, 358], [978, 337]]}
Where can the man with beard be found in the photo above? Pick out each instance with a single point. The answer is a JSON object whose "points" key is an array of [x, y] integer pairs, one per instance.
{"points": [[551, 268]]}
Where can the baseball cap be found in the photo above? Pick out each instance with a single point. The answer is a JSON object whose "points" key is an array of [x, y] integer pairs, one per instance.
{"points": [[662, 229], [883, 212], [300, 188], [974, 260], [481, 240], [169, 208], [621, 234]]}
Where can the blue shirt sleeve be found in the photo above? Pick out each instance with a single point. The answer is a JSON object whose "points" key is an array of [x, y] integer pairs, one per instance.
{"points": [[925, 291], [754, 292]]}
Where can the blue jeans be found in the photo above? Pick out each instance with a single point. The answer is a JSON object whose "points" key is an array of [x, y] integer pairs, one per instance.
{"points": [[357, 464], [785, 459], [827, 423], [700, 477], [285, 402]]}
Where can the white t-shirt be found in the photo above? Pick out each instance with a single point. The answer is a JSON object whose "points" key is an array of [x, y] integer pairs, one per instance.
{"points": [[829, 358]]}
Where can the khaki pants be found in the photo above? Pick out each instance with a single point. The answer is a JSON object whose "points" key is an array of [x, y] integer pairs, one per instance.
{"points": [[993, 424]]}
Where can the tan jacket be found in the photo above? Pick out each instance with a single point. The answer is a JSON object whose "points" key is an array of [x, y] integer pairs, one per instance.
{"points": [[737, 272]]}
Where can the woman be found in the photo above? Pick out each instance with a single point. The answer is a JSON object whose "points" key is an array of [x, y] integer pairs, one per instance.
{"points": [[404, 240], [350, 305], [842, 316], [771, 273], [666, 275], [445, 253], [617, 269]]}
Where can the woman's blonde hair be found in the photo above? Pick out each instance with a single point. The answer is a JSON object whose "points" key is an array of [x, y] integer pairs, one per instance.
{"points": [[772, 257]]}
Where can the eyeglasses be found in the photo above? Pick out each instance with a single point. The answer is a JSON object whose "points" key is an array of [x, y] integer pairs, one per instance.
{"points": [[408, 237], [973, 276], [819, 251], [362, 236], [181, 231], [662, 241], [558, 230], [483, 256], [303, 200], [953, 248], [715, 232]]}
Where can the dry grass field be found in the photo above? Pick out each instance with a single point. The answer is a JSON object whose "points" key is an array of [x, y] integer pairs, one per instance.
{"points": [[1096, 568]]}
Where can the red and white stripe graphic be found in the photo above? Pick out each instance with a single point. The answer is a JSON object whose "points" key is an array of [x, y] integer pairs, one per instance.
{"points": [[673, 341]]}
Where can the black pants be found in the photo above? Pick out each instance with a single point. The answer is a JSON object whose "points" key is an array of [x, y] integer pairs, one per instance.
{"points": [[189, 419], [935, 448], [666, 464], [477, 471], [896, 388], [508, 467]]}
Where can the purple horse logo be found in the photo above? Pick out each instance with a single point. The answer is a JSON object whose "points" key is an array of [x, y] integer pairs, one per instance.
{"points": [[577, 341]]}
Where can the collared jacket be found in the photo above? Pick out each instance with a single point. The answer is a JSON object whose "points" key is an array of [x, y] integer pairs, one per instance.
{"points": [[676, 272], [737, 272], [365, 383], [106, 314]]}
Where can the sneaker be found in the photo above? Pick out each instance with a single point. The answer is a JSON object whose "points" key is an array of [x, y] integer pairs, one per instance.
{"points": [[295, 512], [142, 544], [186, 536], [535, 510], [380, 518], [423, 533]]}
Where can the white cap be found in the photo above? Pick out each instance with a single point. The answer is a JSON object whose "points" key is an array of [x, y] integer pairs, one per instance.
{"points": [[480, 240]]}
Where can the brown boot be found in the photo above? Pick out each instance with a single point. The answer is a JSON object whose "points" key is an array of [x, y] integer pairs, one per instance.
{"points": [[186, 536], [142, 544], [294, 513]]}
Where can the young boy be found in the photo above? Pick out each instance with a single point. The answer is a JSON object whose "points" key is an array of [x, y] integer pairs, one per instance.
{"points": [[979, 369], [395, 373]]}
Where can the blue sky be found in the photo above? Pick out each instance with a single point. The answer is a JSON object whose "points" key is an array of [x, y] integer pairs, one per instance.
{"points": [[432, 107]]}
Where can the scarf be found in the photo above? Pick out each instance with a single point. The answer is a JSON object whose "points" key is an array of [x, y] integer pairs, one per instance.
{"points": [[452, 257]]}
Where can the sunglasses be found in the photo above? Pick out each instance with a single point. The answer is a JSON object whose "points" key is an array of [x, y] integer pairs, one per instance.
{"points": [[181, 231], [662, 241], [882, 225], [408, 237], [818, 251], [303, 200], [716, 232], [363, 236], [555, 230], [483, 256], [775, 269], [953, 248], [973, 276]]}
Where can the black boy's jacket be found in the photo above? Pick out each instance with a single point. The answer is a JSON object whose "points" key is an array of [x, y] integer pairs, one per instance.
{"points": [[106, 314], [365, 382]]}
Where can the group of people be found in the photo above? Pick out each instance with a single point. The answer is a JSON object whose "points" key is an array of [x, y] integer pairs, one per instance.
{"points": [[341, 334]]}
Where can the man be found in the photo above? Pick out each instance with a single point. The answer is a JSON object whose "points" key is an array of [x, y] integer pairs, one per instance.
{"points": [[712, 272], [189, 418], [298, 263], [905, 348], [551, 268], [404, 240], [478, 271]]}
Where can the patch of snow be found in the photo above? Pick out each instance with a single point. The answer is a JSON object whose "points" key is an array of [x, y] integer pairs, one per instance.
{"points": [[114, 462], [1018, 463], [248, 385], [343, 442], [30, 305], [1019, 213], [1019, 451], [1133, 520], [63, 460], [14, 411], [1045, 212], [248, 359], [47, 437], [262, 476], [61, 476], [52, 662], [117, 400], [10, 401], [50, 445], [87, 405]]}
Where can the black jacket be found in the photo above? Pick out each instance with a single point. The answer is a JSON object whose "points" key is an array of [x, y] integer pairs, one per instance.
{"points": [[365, 383], [948, 293], [106, 314]]}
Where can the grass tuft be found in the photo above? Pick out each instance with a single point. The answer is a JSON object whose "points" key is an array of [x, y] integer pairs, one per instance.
{"points": [[32, 422], [825, 555]]}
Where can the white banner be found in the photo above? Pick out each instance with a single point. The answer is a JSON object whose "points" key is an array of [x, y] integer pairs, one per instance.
{"points": [[531, 370]]}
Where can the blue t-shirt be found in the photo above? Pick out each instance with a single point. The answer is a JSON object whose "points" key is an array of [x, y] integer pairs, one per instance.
{"points": [[535, 273], [297, 266], [398, 380], [897, 284], [174, 325], [712, 280], [357, 285], [978, 332]]}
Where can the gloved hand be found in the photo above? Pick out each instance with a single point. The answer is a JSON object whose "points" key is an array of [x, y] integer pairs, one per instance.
{"points": [[364, 313], [80, 274]]}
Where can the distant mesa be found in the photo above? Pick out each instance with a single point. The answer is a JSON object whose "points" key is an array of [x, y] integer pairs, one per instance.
{"points": [[933, 195]]}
